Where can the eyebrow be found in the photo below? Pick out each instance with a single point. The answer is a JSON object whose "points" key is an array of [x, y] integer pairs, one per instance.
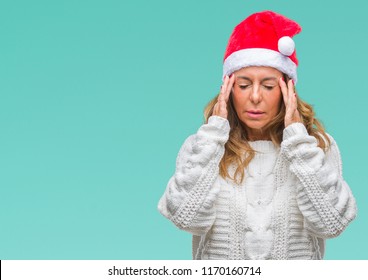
{"points": [[264, 79]]}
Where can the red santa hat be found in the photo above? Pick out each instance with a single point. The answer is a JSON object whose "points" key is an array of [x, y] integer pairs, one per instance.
{"points": [[263, 39]]}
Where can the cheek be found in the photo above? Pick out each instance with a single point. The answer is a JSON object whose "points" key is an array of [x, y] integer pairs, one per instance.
{"points": [[275, 101], [238, 100], [238, 96]]}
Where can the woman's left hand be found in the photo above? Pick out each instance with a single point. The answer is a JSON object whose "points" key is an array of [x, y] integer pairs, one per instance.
{"points": [[290, 99]]}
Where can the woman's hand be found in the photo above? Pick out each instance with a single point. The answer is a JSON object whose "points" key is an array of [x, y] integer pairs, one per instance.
{"points": [[292, 114], [220, 108]]}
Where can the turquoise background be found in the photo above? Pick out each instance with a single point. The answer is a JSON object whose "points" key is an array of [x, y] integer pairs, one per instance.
{"points": [[96, 98]]}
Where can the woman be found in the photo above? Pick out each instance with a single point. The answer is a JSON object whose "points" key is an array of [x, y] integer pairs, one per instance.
{"points": [[261, 179]]}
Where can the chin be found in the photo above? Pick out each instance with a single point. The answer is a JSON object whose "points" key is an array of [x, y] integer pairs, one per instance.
{"points": [[253, 125]]}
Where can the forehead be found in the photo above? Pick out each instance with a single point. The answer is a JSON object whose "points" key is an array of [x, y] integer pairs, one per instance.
{"points": [[258, 72]]}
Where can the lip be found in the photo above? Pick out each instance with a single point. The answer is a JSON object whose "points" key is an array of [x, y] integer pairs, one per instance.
{"points": [[254, 114]]}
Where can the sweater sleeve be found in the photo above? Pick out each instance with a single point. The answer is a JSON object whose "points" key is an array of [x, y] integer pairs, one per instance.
{"points": [[323, 197], [190, 194]]}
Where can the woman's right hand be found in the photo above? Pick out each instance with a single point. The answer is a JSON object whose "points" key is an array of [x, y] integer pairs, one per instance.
{"points": [[220, 108]]}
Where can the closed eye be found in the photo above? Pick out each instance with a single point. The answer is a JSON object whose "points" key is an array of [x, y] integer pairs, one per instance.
{"points": [[269, 87], [243, 86]]}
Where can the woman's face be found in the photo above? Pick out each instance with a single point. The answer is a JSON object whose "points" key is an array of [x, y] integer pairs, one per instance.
{"points": [[257, 98]]}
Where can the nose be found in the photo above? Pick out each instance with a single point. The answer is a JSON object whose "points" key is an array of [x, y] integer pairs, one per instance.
{"points": [[255, 95]]}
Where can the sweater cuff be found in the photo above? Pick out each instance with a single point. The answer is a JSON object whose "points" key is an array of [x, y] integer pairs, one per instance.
{"points": [[294, 129], [220, 122]]}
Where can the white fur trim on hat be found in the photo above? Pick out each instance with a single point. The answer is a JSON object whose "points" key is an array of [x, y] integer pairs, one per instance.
{"points": [[259, 57]]}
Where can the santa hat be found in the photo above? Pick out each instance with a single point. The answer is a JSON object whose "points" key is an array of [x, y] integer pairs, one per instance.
{"points": [[263, 39]]}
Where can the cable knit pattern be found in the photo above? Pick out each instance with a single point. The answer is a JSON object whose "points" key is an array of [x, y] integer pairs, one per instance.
{"points": [[237, 223], [259, 196], [293, 197], [280, 220], [189, 199], [322, 195]]}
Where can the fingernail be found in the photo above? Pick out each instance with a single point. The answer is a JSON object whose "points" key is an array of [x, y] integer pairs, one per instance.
{"points": [[231, 75]]}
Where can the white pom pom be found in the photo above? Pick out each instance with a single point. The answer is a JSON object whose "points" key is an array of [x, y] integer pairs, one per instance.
{"points": [[286, 45]]}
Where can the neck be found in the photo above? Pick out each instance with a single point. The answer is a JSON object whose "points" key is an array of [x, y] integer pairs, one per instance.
{"points": [[257, 134]]}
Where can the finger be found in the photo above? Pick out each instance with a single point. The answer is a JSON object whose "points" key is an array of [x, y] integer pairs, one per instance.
{"points": [[290, 89], [292, 96], [284, 90], [215, 109], [221, 95], [289, 104], [224, 84], [229, 87], [221, 101], [222, 108], [222, 88]]}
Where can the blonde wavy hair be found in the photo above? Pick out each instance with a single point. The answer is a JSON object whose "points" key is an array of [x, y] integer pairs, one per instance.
{"points": [[237, 149]]}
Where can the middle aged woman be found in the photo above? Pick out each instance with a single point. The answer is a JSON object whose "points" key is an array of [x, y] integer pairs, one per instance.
{"points": [[261, 179]]}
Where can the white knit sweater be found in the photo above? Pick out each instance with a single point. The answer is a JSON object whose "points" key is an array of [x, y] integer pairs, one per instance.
{"points": [[293, 197]]}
